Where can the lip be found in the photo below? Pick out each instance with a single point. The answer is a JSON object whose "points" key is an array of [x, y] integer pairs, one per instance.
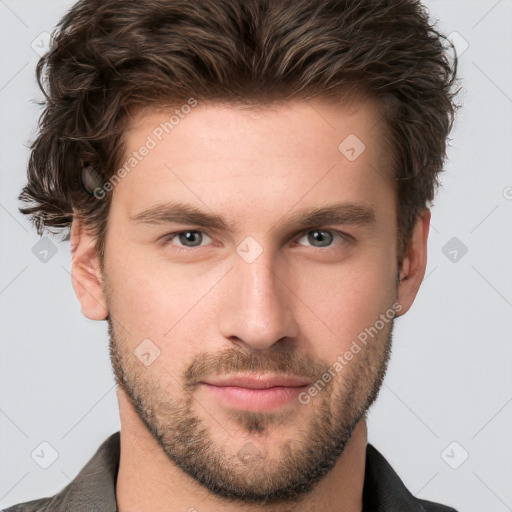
{"points": [[255, 392], [258, 381]]}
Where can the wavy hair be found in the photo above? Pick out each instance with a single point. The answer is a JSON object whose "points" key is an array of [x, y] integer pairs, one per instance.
{"points": [[109, 57]]}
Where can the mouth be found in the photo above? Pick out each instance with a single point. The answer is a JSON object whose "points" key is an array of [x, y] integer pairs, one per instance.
{"points": [[255, 392]]}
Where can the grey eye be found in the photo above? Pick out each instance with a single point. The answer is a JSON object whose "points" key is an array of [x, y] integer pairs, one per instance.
{"points": [[190, 238], [320, 238]]}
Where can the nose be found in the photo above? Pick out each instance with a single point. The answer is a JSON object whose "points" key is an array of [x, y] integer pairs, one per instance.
{"points": [[256, 304]]}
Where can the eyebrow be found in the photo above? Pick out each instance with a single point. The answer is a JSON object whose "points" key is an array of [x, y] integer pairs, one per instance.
{"points": [[182, 213]]}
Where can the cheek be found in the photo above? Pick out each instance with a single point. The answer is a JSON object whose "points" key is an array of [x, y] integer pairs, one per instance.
{"points": [[343, 301], [160, 301], [139, 300]]}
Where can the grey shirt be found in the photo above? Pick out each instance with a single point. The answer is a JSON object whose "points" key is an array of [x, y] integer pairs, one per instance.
{"points": [[93, 489]]}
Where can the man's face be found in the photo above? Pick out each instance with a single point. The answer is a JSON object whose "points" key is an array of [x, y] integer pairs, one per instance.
{"points": [[262, 294]]}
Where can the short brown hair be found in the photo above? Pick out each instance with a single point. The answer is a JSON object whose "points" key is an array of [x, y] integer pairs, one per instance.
{"points": [[110, 57]]}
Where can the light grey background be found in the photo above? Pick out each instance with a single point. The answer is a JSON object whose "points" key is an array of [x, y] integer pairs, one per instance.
{"points": [[450, 378]]}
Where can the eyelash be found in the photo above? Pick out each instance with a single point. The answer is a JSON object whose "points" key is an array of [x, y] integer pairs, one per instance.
{"points": [[167, 239]]}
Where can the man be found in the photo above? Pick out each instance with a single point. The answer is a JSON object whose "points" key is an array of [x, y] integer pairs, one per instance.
{"points": [[246, 186]]}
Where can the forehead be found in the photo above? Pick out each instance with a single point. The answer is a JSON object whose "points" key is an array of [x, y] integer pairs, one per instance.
{"points": [[306, 121], [216, 152]]}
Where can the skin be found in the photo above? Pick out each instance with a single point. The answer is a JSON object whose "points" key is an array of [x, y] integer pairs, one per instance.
{"points": [[296, 308]]}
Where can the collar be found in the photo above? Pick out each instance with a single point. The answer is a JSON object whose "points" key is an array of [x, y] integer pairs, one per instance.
{"points": [[93, 489]]}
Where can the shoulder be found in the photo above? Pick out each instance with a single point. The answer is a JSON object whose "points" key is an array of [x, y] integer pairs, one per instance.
{"points": [[39, 505], [384, 490], [92, 489], [430, 506]]}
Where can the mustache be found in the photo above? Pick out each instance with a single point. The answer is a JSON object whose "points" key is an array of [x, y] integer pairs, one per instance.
{"points": [[238, 361]]}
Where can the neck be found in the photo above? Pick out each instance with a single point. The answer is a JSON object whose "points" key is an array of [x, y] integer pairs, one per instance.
{"points": [[148, 481]]}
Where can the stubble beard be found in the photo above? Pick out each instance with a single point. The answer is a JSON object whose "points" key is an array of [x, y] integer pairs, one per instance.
{"points": [[250, 473]]}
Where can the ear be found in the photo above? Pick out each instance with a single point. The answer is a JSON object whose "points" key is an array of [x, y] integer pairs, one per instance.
{"points": [[414, 262], [86, 272]]}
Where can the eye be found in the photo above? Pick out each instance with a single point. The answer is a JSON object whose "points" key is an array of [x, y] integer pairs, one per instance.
{"points": [[322, 237], [189, 238]]}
